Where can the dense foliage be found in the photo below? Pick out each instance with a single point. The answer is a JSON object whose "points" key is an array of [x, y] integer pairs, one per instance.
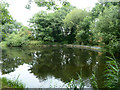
{"points": [[72, 21], [7, 24], [100, 26], [106, 28], [49, 27], [49, 4], [66, 25], [19, 38]]}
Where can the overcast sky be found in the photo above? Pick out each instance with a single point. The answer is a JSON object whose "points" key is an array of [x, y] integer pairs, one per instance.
{"points": [[21, 14]]}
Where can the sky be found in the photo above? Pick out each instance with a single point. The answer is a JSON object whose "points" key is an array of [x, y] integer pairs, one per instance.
{"points": [[21, 14]]}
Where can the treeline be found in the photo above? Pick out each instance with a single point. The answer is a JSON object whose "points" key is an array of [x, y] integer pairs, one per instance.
{"points": [[66, 25], [11, 32]]}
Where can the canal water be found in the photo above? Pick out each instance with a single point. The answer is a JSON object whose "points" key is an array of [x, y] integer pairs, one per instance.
{"points": [[52, 67]]}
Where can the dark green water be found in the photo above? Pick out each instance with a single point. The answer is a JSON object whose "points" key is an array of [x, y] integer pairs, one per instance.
{"points": [[52, 66]]}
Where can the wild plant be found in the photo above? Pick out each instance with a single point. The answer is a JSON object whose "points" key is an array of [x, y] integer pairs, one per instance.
{"points": [[111, 73]]}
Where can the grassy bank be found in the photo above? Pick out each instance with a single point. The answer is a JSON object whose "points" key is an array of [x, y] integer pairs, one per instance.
{"points": [[27, 43], [6, 83]]}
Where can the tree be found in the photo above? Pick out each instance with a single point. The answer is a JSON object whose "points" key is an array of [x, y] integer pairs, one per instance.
{"points": [[84, 35], [19, 38], [5, 17], [49, 4], [71, 22], [100, 7], [49, 26], [58, 24], [40, 25], [106, 28], [7, 24]]}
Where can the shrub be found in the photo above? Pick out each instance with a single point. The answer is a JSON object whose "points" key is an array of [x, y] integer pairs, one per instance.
{"points": [[16, 39]]}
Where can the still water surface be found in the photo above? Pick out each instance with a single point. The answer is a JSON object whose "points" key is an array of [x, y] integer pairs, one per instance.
{"points": [[51, 67]]}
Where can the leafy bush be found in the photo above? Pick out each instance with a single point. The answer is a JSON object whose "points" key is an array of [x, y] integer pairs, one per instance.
{"points": [[3, 43], [80, 35], [106, 30], [16, 39]]}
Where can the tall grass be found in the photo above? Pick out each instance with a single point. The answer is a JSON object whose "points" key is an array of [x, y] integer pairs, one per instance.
{"points": [[6, 83], [112, 75], [93, 81], [77, 83]]}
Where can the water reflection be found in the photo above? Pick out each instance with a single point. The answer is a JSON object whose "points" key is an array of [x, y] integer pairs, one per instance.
{"points": [[47, 64]]}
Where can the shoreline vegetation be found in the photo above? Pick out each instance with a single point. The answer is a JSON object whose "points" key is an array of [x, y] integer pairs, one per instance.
{"points": [[93, 48], [34, 44], [7, 83], [97, 29]]}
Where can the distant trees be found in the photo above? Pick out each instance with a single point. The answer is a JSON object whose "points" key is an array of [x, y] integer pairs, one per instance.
{"points": [[84, 35], [106, 28], [19, 38], [100, 26], [71, 22], [49, 4], [5, 20], [49, 27], [7, 24]]}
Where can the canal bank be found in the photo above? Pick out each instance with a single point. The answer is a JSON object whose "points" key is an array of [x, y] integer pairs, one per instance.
{"points": [[93, 48], [38, 44]]}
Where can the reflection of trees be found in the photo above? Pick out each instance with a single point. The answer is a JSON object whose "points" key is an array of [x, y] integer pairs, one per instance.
{"points": [[62, 63], [99, 72], [12, 58], [106, 72]]}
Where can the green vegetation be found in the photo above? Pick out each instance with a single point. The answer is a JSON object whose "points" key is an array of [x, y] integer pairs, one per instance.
{"points": [[67, 25], [48, 27], [6, 83], [112, 74], [71, 23], [106, 29], [49, 4], [76, 84], [19, 38]]}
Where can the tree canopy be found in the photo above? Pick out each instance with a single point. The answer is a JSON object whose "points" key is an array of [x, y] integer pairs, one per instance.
{"points": [[106, 28], [71, 22], [67, 24], [49, 4], [49, 26]]}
